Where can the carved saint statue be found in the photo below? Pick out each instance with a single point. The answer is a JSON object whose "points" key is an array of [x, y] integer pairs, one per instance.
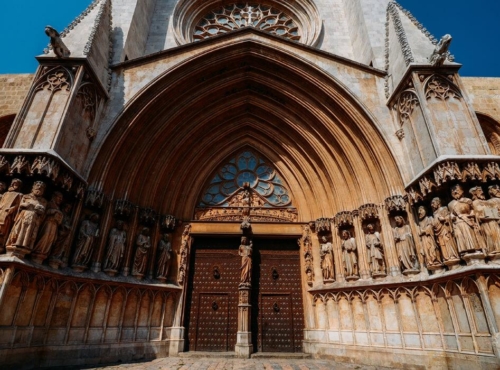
{"points": [[28, 220], [88, 231], [116, 248], [9, 204], [465, 227], [442, 228], [376, 250], [426, 232], [143, 244], [3, 188], [245, 251], [349, 255], [184, 251], [487, 213], [48, 233], [164, 256], [63, 236], [405, 245], [327, 265], [494, 193]]}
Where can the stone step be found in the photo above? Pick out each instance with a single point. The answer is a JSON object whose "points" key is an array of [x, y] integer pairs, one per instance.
{"points": [[263, 355]]}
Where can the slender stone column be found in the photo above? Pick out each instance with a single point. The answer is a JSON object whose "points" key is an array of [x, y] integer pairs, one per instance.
{"points": [[244, 347]]}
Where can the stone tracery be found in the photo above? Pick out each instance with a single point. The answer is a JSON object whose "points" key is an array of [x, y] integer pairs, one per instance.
{"points": [[231, 17]]}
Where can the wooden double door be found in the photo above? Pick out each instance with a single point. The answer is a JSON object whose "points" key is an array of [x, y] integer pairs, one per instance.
{"points": [[277, 319]]}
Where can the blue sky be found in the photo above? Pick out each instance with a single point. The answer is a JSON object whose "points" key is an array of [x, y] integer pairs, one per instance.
{"points": [[474, 26]]}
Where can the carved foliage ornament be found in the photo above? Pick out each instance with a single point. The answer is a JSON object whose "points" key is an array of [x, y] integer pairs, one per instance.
{"points": [[306, 243], [395, 203], [234, 16], [368, 211], [123, 208], [344, 219], [94, 199], [323, 225]]}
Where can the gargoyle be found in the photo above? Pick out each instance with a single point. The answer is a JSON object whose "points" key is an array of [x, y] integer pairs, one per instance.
{"points": [[440, 53], [57, 44]]}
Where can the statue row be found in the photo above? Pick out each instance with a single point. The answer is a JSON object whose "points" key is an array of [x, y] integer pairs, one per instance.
{"points": [[29, 224], [466, 226], [116, 248]]}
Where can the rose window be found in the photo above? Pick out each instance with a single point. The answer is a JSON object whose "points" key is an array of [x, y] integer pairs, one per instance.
{"points": [[235, 16]]}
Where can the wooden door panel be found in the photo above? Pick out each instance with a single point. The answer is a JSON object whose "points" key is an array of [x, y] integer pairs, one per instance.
{"points": [[213, 323], [276, 323]]}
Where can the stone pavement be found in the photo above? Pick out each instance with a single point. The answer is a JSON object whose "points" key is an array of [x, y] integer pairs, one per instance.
{"points": [[179, 363]]}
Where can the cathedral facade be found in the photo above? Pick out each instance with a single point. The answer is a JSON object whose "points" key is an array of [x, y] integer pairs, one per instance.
{"points": [[301, 176]]}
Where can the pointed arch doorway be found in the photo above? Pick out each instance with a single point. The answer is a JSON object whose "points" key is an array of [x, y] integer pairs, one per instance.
{"points": [[267, 309]]}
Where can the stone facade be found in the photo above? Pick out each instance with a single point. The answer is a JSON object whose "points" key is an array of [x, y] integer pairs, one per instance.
{"points": [[13, 91], [331, 146]]}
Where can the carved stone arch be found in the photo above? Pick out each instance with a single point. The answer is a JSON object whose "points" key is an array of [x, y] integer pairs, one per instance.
{"points": [[99, 312], [318, 134], [84, 305], [330, 296], [55, 79], [440, 87], [117, 306], [491, 130], [63, 309], [14, 298]]}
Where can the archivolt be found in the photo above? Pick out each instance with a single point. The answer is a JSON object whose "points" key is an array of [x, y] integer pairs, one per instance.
{"points": [[168, 141]]}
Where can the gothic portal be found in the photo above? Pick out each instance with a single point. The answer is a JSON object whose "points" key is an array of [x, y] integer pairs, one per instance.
{"points": [[187, 175]]}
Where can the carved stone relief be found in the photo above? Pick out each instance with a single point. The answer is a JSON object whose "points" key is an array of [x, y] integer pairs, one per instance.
{"points": [[184, 254]]}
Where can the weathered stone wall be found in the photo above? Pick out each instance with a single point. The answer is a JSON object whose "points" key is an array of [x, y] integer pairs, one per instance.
{"points": [[13, 90], [484, 93]]}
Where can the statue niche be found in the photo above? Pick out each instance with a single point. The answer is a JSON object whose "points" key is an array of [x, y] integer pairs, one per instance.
{"points": [[116, 248]]}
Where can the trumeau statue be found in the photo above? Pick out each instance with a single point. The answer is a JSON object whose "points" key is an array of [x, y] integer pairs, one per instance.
{"points": [[28, 220], [465, 227], [327, 266], [116, 248], [443, 231], [164, 257], [376, 251], [349, 255], [426, 232], [143, 244], [88, 231], [9, 204], [48, 233], [405, 246], [245, 251], [487, 213]]}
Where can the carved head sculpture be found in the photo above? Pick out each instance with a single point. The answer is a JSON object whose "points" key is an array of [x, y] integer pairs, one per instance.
{"points": [[94, 218], [3, 187], [66, 208], [494, 191], [436, 204], [457, 192], [57, 198], [166, 237], [38, 188], [370, 228], [324, 239], [400, 221], [346, 234], [422, 212], [119, 225], [51, 32], [15, 185], [477, 193], [244, 240], [145, 231]]}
